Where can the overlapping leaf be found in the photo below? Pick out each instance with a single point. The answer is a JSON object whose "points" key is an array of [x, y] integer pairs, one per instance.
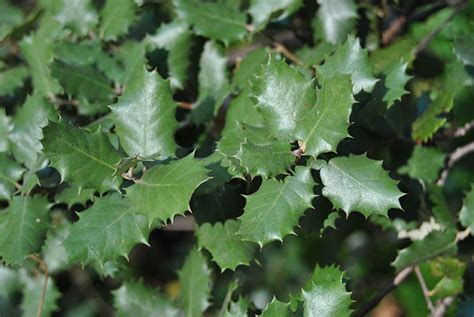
{"points": [[116, 17], [335, 19], [466, 215], [10, 174], [424, 164], [429, 122]]}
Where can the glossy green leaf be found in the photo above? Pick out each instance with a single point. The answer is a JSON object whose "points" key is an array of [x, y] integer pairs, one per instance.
{"points": [[23, 226], [116, 18], [275, 209], [225, 245], [330, 221], [262, 11], [325, 125], [395, 81], [466, 215], [429, 122], [357, 183], [5, 128], [335, 20], [75, 153], [164, 191], [78, 15], [105, 231], [12, 79], [10, 174], [53, 251], [144, 117], [248, 66], [276, 309], [213, 75], [74, 195]]}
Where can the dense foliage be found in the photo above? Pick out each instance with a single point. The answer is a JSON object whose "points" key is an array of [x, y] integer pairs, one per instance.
{"points": [[236, 158]]}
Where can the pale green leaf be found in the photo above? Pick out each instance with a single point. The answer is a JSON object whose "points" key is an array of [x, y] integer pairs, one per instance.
{"points": [[53, 251], [262, 11], [330, 221], [424, 164], [73, 195], [357, 183], [26, 221], [350, 59], [32, 292], [195, 280], [136, 299], [105, 231], [225, 245], [450, 271], [237, 309], [466, 215], [12, 79], [276, 309], [5, 128], [464, 48], [326, 124], [429, 122], [10, 16], [275, 209], [213, 75], [10, 174], [75, 153], [78, 15], [144, 117], [116, 18], [395, 81], [164, 191], [335, 20]]}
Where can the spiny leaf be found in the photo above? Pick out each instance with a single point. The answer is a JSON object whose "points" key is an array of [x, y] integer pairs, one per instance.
{"points": [[75, 153], [53, 251], [225, 245], [350, 59], [10, 173], [74, 195], [23, 227], [284, 97], [326, 294], [335, 19], [164, 191], [77, 15], [429, 122], [116, 18], [12, 79], [434, 244], [395, 81], [32, 293], [262, 10], [213, 75], [357, 183], [326, 124], [144, 117], [105, 231], [450, 271], [275, 209], [466, 215], [330, 221], [441, 210], [424, 164], [247, 67], [134, 298], [217, 21], [237, 309], [276, 309], [195, 280]]}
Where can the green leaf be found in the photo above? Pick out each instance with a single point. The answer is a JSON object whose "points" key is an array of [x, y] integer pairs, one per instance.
{"points": [[276, 309], [284, 97], [9, 281], [164, 191], [24, 226], [32, 293], [225, 245], [12, 79], [434, 244], [350, 59], [246, 70], [144, 117], [450, 271], [53, 251], [105, 231], [176, 38], [195, 280], [275, 209], [330, 221], [429, 122], [77, 15], [424, 164], [241, 110], [357, 183], [10, 174], [335, 20], [312, 56], [441, 210], [132, 55], [136, 299], [262, 11], [466, 215], [10, 16], [75, 153], [395, 81], [237, 309], [73, 195], [464, 49], [326, 294], [326, 124], [116, 17], [27, 131], [213, 75], [217, 21], [5, 128]]}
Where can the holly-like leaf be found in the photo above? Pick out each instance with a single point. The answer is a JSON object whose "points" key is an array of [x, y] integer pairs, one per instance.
{"points": [[262, 11], [23, 227], [350, 59], [105, 231], [247, 67], [237, 309], [284, 97], [312, 56], [429, 122], [395, 81], [144, 117], [215, 20], [434, 244], [116, 18], [164, 191], [78, 15], [441, 210], [450, 271], [74, 195], [326, 294], [464, 49], [12, 79], [357, 183], [195, 280], [424, 164], [213, 75], [134, 298], [5, 128], [330, 221], [53, 251], [225, 245], [10, 173], [276, 309], [275, 209], [335, 19], [10, 16], [75, 153], [26, 134], [32, 293], [325, 125], [466, 215]]}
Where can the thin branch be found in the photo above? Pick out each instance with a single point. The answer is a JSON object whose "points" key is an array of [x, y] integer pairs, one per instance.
{"points": [[185, 105], [454, 157], [442, 306], [462, 131], [43, 266], [280, 48], [424, 288]]}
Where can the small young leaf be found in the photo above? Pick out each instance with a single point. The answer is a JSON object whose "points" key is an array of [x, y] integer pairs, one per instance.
{"points": [[116, 18], [335, 19], [424, 164], [466, 215], [276, 309], [12, 79], [395, 81]]}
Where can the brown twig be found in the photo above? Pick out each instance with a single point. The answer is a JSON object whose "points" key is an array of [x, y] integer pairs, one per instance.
{"points": [[453, 158], [43, 266], [424, 288], [442, 306], [280, 48], [462, 131], [185, 105]]}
